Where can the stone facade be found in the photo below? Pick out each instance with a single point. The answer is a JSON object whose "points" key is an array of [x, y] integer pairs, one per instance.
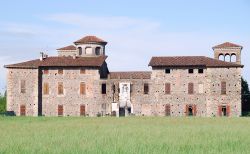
{"points": [[191, 89]]}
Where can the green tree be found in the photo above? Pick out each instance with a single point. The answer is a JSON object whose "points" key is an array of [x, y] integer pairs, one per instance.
{"points": [[245, 97]]}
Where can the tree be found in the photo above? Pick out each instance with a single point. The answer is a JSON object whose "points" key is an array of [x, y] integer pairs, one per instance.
{"points": [[245, 96]]}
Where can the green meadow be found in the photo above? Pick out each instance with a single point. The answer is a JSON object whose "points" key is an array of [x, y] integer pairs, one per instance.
{"points": [[105, 135]]}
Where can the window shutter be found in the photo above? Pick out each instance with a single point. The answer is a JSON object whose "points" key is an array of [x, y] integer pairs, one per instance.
{"points": [[45, 88], [167, 88], [190, 88], [194, 110], [228, 110], [223, 88], [220, 110], [82, 88]]}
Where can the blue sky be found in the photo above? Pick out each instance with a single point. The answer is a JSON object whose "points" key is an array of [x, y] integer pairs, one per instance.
{"points": [[135, 30]]}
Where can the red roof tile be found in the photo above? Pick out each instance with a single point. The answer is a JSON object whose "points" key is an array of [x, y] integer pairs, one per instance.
{"points": [[90, 39], [70, 47], [61, 62], [227, 45], [130, 75], [187, 61]]}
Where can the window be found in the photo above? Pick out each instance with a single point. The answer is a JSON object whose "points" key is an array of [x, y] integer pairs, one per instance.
{"points": [[23, 86], [201, 88], [97, 50], [82, 110], [200, 71], [167, 110], [190, 88], [167, 88], [82, 71], [146, 88], [60, 71], [104, 88], [46, 88], [60, 88], [223, 88], [80, 50], [167, 71], [45, 71], [88, 51], [82, 88], [190, 71], [22, 110], [113, 88]]}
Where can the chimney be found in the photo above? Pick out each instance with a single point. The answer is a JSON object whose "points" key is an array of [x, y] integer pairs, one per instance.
{"points": [[41, 56]]}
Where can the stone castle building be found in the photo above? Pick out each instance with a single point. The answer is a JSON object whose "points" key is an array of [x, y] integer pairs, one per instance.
{"points": [[78, 82]]}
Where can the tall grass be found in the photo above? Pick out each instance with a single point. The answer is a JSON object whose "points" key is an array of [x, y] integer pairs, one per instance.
{"points": [[124, 135]]}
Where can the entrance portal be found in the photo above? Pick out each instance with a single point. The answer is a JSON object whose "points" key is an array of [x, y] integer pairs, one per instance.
{"points": [[121, 112], [190, 111]]}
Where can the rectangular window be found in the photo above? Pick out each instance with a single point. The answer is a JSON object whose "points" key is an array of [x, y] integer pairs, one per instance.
{"points": [[22, 110], [146, 88], [167, 88], [200, 71], [45, 71], [167, 110], [23, 86], [82, 110], [167, 71], [46, 88], [60, 71], [82, 71], [190, 71], [104, 88], [113, 88], [201, 88], [82, 88], [223, 88], [60, 88], [190, 88]]}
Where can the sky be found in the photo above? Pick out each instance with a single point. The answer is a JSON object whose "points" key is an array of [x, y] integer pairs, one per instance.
{"points": [[135, 30]]}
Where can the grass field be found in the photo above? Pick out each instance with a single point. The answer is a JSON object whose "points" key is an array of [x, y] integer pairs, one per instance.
{"points": [[124, 135]]}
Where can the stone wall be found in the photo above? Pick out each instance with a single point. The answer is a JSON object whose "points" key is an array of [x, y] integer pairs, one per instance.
{"points": [[14, 96]]}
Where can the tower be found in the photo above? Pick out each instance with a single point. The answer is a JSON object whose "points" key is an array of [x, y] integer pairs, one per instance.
{"points": [[90, 46], [228, 52]]}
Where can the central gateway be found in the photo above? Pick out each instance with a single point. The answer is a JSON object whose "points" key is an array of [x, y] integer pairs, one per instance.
{"points": [[125, 106]]}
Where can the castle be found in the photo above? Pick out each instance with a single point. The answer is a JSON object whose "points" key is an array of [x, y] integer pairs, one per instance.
{"points": [[78, 82]]}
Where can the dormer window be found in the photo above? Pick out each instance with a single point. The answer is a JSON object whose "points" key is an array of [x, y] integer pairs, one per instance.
{"points": [[97, 51]]}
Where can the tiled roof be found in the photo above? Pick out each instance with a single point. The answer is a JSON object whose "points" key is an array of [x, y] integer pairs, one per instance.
{"points": [[70, 47], [90, 39], [227, 45], [130, 75], [187, 61], [61, 62]]}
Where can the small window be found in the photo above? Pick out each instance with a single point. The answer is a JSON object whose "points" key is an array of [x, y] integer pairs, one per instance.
{"points": [[82, 88], [60, 71], [23, 86], [200, 71], [190, 71], [60, 88], [167, 88], [146, 88], [45, 71], [46, 88], [167, 71], [113, 88], [82, 71], [190, 88], [104, 88], [223, 88]]}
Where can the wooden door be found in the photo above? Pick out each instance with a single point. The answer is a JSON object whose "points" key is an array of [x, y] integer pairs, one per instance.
{"points": [[82, 110], [60, 110], [167, 110], [22, 110]]}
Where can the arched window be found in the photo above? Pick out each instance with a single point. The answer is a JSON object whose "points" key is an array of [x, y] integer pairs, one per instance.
{"points": [[97, 50], [80, 50], [88, 51], [233, 58], [227, 58], [221, 57]]}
